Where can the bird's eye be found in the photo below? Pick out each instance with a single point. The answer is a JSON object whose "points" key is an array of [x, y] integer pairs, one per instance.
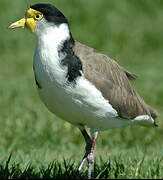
{"points": [[37, 16]]}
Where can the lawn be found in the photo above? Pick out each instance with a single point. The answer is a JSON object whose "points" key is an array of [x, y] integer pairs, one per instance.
{"points": [[43, 146]]}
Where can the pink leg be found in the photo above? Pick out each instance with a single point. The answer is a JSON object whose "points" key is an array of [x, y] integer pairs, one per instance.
{"points": [[89, 155]]}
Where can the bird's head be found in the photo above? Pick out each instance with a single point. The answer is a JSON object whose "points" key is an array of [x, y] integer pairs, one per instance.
{"points": [[39, 15]]}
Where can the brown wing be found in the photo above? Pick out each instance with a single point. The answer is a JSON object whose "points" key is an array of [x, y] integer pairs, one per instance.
{"points": [[113, 81]]}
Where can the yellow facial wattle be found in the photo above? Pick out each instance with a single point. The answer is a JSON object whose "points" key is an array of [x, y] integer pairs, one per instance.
{"points": [[29, 21]]}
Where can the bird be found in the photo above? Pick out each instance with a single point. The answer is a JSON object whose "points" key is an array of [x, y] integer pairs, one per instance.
{"points": [[78, 83]]}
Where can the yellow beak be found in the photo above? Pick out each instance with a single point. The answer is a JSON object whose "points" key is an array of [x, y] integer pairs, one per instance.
{"points": [[29, 20], [20, 23]]}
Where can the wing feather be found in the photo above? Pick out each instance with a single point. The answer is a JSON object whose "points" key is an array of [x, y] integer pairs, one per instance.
{"points": [[113, 82]]}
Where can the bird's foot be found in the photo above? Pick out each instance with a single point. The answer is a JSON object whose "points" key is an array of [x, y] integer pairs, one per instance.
{"points": [[90, 160], [89, 157]]}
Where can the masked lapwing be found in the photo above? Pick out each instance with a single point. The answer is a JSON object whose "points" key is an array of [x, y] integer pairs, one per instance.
{"points": [[79, 84]]}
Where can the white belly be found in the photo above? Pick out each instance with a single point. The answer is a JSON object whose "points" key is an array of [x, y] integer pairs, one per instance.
{"points": [[77, 110], [79, 103]]}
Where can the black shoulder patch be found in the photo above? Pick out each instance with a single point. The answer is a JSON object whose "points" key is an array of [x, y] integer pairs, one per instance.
{"points": [[71, 60]]}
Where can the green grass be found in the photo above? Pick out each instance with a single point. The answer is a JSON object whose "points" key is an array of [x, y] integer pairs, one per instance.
{"points": [[114, 168], [129, 31]]}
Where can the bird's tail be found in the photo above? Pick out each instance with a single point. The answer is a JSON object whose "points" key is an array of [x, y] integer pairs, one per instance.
{"points": [[154, 114]]}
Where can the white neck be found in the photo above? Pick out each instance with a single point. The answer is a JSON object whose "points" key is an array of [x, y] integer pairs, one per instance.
{"points": [[48, 33], [50, 40]]}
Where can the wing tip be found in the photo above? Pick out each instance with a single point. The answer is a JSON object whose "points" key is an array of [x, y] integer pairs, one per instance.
{"points": [[155, 124]]}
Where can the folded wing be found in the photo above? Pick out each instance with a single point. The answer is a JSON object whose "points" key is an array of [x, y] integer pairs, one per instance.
{"points": [[113, 82]]}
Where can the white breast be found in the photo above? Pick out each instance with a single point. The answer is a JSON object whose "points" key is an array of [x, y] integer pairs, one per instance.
{"points": [[79, 104]]}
